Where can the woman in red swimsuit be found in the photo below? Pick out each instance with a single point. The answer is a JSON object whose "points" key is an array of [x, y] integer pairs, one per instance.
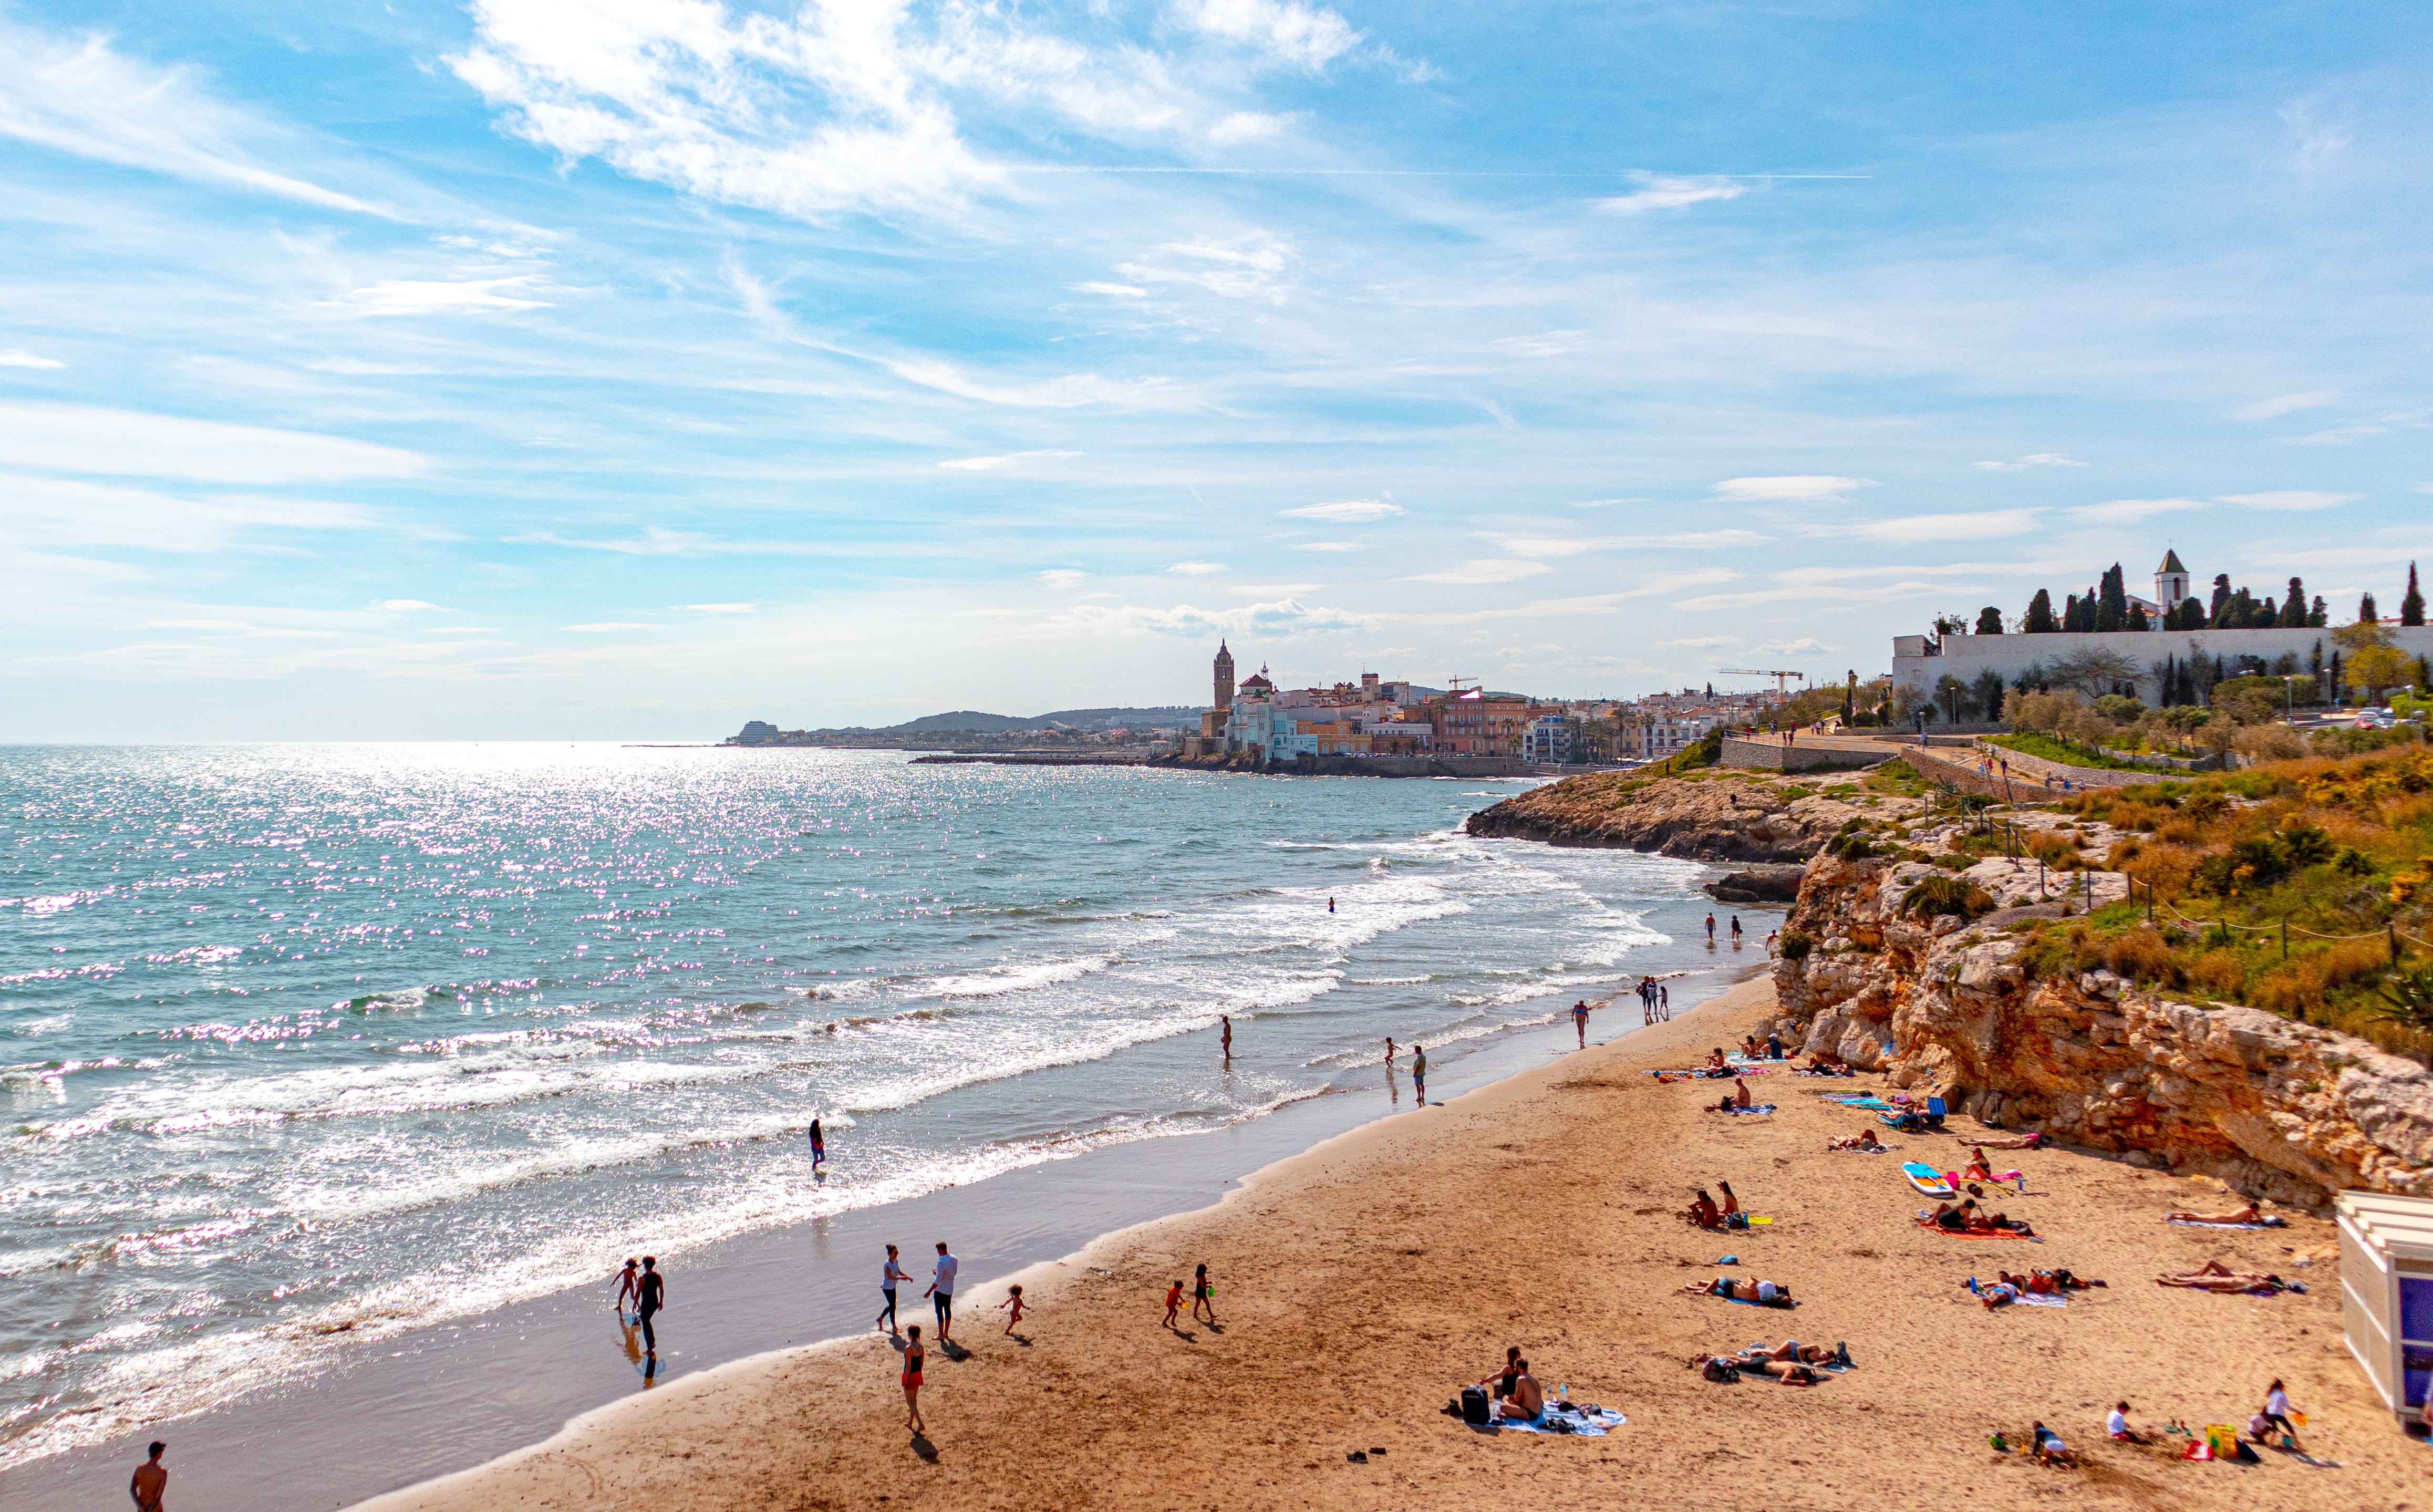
{"points": [[912, 1377]]}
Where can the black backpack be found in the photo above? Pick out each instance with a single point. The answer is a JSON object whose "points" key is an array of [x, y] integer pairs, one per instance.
{"points": [[1474, 1405]]}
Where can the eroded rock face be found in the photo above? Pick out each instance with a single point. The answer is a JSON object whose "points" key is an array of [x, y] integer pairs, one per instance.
{"points": [[1720, 817], [2276, 1108]]}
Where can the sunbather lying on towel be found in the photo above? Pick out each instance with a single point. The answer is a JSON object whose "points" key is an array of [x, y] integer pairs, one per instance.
{"points": [[1996, 1293], [1792, 1349], [1765, 1292], [2250, 1214], [1968, 1216], [2035, 1141], [1863, 1139], [2215, 1277], [2043, 1282], [1982, 1169], [1825, 1063]]}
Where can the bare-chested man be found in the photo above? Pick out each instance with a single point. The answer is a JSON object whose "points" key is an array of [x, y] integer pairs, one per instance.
{"points": [[151, 1481]]}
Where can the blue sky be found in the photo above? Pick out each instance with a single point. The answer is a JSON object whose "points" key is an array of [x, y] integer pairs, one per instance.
{"points": [[616, 368]]}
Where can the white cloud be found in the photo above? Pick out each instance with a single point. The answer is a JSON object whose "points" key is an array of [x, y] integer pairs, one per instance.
{"points": [[1818, 592], [1488, 569], [1254, 265], [1699, 642], [2266, 409], [1330, 546], [1196, 568], [408, 606], [1346, 511], [1547, 344], [1669, 192], [1119, 290], [84, 438], [2301, 499], [992, 464], [65, 512], [1804, 646], [1253, 590], [79, 95], [2035, 459], [1581, 545], [1991, 524], [2130, 511], [1278, 617], [717, 609], [1811, 486], [1248, 126], [1063, 577], [421, 297], [19, 357], [606, 627], [1304, 36]]}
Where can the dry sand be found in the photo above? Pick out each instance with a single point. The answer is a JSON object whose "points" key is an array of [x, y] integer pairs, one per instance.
{"points": [[1359, 1283]]}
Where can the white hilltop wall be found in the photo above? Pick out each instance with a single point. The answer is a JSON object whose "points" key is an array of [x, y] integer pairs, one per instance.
{"points": [[1920, 661]]}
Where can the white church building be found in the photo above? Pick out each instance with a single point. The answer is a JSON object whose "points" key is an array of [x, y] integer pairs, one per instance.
{"points": [[1921, 662]]}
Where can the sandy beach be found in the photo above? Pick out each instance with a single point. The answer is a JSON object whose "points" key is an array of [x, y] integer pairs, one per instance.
{"points": [[1360, 1284]]}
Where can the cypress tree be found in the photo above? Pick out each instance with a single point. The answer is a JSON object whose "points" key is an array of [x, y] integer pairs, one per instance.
{"points": [[2039, 618], [2069, 612], [2293, 608], [2318, 616], [2411, 608], [2366, 614], [2221, 599], [1989, 620], [2267, 614], [2112, 604], [2137, 617], [2167, 686]]}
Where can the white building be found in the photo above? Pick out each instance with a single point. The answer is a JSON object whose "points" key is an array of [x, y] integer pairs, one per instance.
{"points": [[1669, 732], [1547, 739]]}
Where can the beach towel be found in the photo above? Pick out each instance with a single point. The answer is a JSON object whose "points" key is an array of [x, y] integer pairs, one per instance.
{"points": [[2268, 1223], [2020, 1295], [1927, 1180], [1857, 1099], [1590, 1421], [1980, 1233], [1751, 1302], [1753, 1108]]}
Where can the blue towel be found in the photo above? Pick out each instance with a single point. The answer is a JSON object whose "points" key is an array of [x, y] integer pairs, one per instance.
{"points": [[1586, 1422]]}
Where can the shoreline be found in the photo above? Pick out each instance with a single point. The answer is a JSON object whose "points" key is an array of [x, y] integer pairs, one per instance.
{"points": [[1363, 1278], [479, 1486], [456, 1394]]}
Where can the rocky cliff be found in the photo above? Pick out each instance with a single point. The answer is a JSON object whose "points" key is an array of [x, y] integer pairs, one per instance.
{"points": [[2276, 1108], [1716, 816]]}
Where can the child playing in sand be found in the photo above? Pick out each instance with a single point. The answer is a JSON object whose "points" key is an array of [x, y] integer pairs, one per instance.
{"points": [[1202, 1294], [1173, 1303], [1012, 1306]]}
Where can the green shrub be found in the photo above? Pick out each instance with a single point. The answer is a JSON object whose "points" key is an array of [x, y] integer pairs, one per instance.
{"points": [[1939, 895], [1796, 945]]}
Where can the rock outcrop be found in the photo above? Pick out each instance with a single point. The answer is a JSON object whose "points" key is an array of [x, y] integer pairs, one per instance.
{"points": [[2275, 1109], [1722, 817]]}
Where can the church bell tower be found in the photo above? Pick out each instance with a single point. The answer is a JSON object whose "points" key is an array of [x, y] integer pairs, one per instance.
{"points": [[1224, 677]]}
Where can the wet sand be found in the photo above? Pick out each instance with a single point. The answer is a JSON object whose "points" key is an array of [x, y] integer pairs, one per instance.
{"points": [[1360, 1282]]}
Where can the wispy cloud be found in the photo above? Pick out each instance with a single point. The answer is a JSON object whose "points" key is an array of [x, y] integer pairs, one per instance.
{"points": [[2267, 409], [87, 438], [995, 464], [1284, 30], [1248, 126], [19, 357], [1826, 593], [1278, 618], [437, 296], [1669, 192], [607, 627], [1802, 487], [1987, 524], [1196, 568], [2296, 499], [1330, 546], [1484, 570], [408, 606], [1345, 512], [2130, 511], [81, 95], [1063, 577], [2035, 459], [717, 609], [1254, 265]]}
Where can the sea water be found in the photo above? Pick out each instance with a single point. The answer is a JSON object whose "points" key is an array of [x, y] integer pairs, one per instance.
{"points": [[301, 1047]]}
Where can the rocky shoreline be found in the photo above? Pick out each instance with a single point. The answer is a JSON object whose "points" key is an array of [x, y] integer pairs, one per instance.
{"points": [[1717, 815]]}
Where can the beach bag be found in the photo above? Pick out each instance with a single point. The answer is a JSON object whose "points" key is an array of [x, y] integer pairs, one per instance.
{"points": [[1719, 1369], [1736, 1221], [1474, 1405]]}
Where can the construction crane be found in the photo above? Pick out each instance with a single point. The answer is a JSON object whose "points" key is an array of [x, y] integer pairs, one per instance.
{"points": [[1781, 678]]}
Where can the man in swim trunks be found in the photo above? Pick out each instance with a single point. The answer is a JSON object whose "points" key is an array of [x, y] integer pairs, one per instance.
{"points": [[151, 1481], [1420, 1072]]}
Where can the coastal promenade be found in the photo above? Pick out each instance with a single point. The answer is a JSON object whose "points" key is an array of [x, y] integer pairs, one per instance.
{"points": [[1360, 1285]]}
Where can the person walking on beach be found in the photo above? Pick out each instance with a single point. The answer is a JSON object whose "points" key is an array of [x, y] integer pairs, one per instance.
{"points": [[941, 1291], [887, 1280], [1710, 928], [1580, 1021], [1329, 905], [914, 1356], [629, 1288], [650, 1296], [1420, 1073], [818, 1146], [1012, 1306], [1202, 1294], [1663, 1004], [1390, 1049], [1173, 1303], [151, 1481], [1736, 931], [1227, 1020]]}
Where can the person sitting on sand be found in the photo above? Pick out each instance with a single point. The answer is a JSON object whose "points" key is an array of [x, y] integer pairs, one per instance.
{"points": [[1731, 1203], [1740, 1092], [2051, 1450], [1502, 1379], [1703, 1213], [2250, 1214], [1863, 1139], [1716, 1060], [2214, 1277], [2116, 1424], [1527, 1399]]}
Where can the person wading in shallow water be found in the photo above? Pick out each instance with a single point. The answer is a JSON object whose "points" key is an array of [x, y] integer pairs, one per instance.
{"points": [[649, 1297], [1227, 1020], [1420, 1073], [151, 1481], [818, 1146]]}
